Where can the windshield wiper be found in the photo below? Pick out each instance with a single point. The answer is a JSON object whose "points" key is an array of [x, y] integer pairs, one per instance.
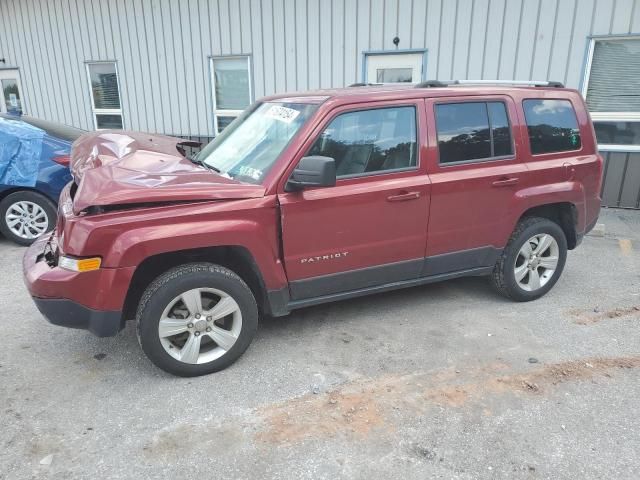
{"points": [[211, 167], [194, 159], [197, 161]]}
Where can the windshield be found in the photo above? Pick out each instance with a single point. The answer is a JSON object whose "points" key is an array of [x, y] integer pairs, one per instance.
{"points": [[247, 149]]}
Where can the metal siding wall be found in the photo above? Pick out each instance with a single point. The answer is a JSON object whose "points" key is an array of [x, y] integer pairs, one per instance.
{"points": [[621, 184], [163, 47]]}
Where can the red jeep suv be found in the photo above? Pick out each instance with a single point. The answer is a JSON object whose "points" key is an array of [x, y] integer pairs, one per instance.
{"points": [[314, 197]]}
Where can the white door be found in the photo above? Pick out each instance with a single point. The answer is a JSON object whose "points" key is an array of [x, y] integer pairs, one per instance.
{"points": [[394, 68], [11, 100]]}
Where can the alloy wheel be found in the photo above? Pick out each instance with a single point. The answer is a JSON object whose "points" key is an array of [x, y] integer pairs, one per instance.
{"points": [[200, 325], [536, 262]]}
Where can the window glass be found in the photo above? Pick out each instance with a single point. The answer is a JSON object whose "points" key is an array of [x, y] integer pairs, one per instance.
{"points": [[614, 79], [249, 146], [12, 96], [224, 122], [105, 93], [370, 141], [394, 75], [463, 131], [501, 135], [232, 83], [618, 133], [104, 86], [552, 125], [108, 121], [612, 91]]}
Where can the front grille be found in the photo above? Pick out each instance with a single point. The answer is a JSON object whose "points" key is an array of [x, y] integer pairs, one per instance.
{"points": [[51, 252], [60, 219]]}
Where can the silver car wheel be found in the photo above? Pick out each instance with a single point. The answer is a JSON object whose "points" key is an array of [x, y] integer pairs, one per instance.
{"points": [[26, 219], [200, 325], [536, 262]]}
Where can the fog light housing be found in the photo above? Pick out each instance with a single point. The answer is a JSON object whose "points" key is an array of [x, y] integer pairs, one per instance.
{"points": [[79, 264]]}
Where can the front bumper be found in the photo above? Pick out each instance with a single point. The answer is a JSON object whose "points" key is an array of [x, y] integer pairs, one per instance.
{"points": [[89, 300], [66, 313]]}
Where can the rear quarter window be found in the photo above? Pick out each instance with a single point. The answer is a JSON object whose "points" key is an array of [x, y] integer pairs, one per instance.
{"points": [[552, 126]]}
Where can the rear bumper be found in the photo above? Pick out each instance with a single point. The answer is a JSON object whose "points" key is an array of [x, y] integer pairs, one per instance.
{"points": [[66, 313], [588, 228], [90, 300]]}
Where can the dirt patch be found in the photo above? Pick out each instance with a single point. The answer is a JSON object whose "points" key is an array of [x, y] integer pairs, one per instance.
{"points": [[453, 396], [554, 374], [582, 317], [350, 409], [535, 381], [359, 408], [371, 406]]}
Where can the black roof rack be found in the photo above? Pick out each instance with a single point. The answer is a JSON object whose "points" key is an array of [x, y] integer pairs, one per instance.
{"points": [[359, 84], [522, 83]]}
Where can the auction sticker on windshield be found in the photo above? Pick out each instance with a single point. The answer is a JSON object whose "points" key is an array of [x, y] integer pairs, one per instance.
{"points": [[250, 172], [284, 114]]}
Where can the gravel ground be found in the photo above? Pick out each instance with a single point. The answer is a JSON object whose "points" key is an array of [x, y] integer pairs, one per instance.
{"points": [[441, 381]]}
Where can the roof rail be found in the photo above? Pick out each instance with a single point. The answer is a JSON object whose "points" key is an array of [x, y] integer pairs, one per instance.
{"points": [[522, 83], [360, 84]]}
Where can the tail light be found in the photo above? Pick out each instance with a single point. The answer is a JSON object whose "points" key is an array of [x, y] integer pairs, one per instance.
{"points": [[62, 160]]}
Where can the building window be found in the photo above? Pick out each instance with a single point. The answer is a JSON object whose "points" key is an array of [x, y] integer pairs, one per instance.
{"points": [[105, 95], [612, 92], [552, 126], [232, 89], [11, 93], [473, 131]]}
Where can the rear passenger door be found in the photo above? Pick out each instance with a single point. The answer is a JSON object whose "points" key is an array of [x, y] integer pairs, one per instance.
{"points": [[474, 167]]}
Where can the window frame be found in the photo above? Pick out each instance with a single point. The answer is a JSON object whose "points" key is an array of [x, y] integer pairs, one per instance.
{"points": [[228, 112], [366, 54], [377, 172], [526, 127], [497, 158], [104, 111], [607, 116]]}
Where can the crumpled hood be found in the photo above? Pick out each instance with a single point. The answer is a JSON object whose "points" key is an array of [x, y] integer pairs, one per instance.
{"points": [[116, 167]]}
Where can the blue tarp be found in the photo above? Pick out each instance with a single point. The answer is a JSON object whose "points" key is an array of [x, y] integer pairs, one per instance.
{"points": [[20, 149]]}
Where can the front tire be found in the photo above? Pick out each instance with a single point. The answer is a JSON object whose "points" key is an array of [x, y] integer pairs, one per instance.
{"points": [[532, 261], [26, 215], [196, 319]]}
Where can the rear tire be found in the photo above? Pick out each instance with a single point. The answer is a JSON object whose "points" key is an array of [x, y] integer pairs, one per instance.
{"points": [[532, 261], [196, 319], [25, 216]]}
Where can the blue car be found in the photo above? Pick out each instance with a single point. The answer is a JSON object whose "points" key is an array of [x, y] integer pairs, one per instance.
{"points": [[34, 167]]}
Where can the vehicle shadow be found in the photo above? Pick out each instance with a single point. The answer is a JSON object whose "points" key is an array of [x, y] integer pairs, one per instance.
{"points": [[420, 298], [352, 317]]}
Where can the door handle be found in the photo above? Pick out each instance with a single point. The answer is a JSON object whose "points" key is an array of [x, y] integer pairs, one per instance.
{"points": [[505, 182], [404, 196]]}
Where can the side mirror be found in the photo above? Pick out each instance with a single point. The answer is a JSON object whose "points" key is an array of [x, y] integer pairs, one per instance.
{"points": [[315, 171]]}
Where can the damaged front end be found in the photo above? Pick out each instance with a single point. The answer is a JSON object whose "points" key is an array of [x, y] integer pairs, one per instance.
{"points": [[123, 170]]}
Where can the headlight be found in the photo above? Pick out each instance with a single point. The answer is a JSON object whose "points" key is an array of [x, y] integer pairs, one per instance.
{"points": [[79, 264]]}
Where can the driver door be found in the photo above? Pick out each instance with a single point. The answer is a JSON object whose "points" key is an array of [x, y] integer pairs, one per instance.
{"points": [[370, 228]]}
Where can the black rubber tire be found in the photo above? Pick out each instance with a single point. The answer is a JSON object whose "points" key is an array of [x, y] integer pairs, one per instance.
{"points": [[503, 276], [29, 196], [180, 279]]}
